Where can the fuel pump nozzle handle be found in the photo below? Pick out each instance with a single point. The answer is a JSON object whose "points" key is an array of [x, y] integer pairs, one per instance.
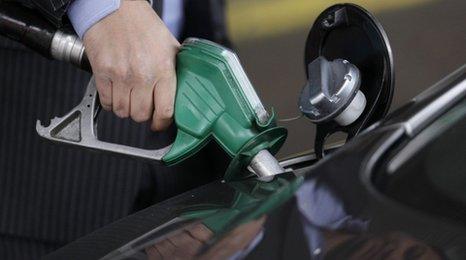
{"points": [[214, 101]]}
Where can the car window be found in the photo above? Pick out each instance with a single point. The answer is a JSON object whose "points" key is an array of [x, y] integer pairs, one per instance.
{"points": [[429, 173]]}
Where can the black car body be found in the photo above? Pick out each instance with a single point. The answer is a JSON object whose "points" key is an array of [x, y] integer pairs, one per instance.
{"points": [[400, 184]]}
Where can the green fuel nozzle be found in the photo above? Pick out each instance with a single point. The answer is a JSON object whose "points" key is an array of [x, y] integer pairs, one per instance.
{"points": [[214, 101]]}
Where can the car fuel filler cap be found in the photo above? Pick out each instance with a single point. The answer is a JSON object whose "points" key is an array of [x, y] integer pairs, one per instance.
{"points": [[349, 69]]}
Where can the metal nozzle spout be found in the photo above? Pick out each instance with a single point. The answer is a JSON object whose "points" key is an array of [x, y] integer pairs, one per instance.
{"points": [[265, 165]]}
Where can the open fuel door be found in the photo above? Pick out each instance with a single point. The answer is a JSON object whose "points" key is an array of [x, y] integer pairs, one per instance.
{"points": [[350, 75]]}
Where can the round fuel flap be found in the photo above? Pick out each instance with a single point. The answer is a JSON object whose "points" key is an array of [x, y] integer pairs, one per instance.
{"points": [[349, 61]]}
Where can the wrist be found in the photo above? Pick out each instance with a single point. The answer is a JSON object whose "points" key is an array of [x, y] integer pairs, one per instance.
{"points": [[83, 14]]}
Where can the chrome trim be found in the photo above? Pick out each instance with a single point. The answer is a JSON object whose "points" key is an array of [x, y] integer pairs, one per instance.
{"points": [[307, 155], [425, 137], [414, 124]]}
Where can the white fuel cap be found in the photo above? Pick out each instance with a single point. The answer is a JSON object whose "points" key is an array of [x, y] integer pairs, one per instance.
{"points": [[332, 92]]}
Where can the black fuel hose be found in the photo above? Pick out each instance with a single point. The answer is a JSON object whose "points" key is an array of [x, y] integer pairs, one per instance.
{"points": [[26, 26]]}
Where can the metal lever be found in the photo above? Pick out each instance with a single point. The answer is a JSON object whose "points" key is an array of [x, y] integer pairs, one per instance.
{"points": [[79, 127]]}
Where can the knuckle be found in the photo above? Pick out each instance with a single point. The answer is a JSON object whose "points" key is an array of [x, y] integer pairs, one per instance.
{"points": [[165, 113], [101, 88], [141, 111], [104, 94], [121, 72], [103, 65], [144, 77], [120, 110], [166, 66], [105, 103], [121, 114], [106, 107], [105, 100], [113, 70], [140, 116], [153, 126]]}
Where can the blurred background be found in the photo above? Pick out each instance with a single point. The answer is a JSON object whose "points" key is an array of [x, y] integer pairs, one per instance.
{"points": [[428, 39]]}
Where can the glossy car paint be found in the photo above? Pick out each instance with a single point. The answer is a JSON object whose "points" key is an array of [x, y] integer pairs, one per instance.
{"points": [[224, 210]]}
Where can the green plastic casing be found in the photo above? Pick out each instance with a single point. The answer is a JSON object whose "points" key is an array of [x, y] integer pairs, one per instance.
{"points": [[213, 101]]}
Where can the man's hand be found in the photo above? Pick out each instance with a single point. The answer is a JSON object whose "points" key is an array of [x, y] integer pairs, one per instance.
{"points": [[132, 55]]}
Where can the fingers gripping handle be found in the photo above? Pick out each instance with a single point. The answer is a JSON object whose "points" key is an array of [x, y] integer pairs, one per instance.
{"points": [[79, 127]]}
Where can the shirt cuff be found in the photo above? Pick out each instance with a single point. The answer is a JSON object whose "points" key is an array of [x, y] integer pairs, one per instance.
{"points": [[85, 13]]}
